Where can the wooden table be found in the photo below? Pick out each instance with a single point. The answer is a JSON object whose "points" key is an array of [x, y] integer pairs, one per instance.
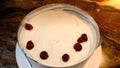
{"points": [[13, 11]]}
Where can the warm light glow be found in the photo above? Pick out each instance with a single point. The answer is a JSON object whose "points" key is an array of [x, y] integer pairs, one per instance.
{"points": [[113, 3]]}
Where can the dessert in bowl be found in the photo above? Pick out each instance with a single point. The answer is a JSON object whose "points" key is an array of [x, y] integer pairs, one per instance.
{"points": [[58, 35]]}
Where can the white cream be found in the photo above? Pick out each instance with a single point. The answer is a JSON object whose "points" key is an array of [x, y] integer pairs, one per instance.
{"points": [[56, 32]]}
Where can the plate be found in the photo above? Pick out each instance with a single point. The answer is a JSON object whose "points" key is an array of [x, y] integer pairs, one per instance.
{"points": [[24, 62]]}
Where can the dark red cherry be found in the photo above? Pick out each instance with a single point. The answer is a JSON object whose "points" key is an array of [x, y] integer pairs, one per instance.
{"points": [[79, 40], [28, 27], [65, 57], [83, 38], [44, 55], [29, 45], [77, 47]]}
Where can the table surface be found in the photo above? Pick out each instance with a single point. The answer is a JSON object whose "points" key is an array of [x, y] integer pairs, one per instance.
{"points": [[13, 11]]}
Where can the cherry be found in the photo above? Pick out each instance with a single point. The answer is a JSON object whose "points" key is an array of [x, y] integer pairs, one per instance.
{"points": [[65, 57], [79, 40], [29, 45], [28, 27], [83, 38], [44, 55], [77, 47]]}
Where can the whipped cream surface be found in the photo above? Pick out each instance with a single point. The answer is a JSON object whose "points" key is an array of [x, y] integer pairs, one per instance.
{"points": [[56, 32]]}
